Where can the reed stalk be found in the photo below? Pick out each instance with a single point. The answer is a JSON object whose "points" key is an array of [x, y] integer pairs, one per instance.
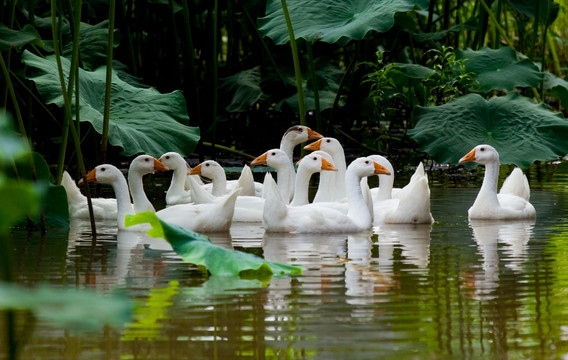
{"points": [[297, 69], [108, 89]]}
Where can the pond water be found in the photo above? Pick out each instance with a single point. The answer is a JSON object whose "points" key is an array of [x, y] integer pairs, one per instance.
{"points": [[451, 290]]}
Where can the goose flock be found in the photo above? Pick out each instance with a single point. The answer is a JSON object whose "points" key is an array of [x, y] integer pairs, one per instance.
{"points": [[343, 203]]}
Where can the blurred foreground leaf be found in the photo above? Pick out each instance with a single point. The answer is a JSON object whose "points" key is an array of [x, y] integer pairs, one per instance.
{"points": [[196, 249], [71, 308]]}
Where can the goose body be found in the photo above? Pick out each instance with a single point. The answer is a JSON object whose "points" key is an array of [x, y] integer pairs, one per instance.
{"points": [[214, 217], [103, 208], [312, 218], [512, 202], [409, 205], [220, 186]]}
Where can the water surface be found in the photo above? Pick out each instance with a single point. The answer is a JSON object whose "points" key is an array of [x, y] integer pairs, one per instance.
{"points": [[485, 290]]}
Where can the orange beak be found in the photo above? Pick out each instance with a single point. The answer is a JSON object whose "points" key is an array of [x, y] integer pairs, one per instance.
{"points": [[469, 157], [159, 166], [326, 165], [91, 177], [261, 160], [313, 146], [196, 170], [312, 135], [380, 169]]}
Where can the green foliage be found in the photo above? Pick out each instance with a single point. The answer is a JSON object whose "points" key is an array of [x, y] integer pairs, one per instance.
{"points": [[196, 249], [520, 130], [81, 310], [142, 120], [499, 69], [336, 21]]}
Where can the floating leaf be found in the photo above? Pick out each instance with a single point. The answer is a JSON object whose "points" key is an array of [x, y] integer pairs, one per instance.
{"points": [[499, 69], [70, 308], [196, 249], [141, 120], [336, 21], [519, 129]]}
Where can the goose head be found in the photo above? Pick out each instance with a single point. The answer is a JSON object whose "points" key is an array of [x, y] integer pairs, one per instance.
{"points": [[146, 164], [482, 154], [208, 169], [298, 134], [104, 174], [367, 167], [274, 158], [314, 163], [330, 145], [173, 161]]}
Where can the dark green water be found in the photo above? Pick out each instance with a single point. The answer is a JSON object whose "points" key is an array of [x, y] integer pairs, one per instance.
{"points": [[453, 290]]}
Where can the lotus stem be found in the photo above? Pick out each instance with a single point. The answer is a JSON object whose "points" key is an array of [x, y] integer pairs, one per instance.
{"points": [[315, 86], [496, 23], [108, 90], [297, 70]]}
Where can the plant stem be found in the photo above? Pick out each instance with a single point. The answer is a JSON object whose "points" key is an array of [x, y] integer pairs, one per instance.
{"points": [[297, 70], [496, 23], [108, 90], [315, 85], [189, 56]]}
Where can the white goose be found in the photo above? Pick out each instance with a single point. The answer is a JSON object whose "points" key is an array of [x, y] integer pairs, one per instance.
{"points": [[294, 136], [176, 194], [307, 166], [280, 161], [103, 208], [214, 217], [219, 186], [312, 218], [512, 202], [333, 147], [409, 205]]}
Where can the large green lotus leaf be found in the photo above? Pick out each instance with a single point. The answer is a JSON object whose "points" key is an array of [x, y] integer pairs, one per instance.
{"points": [[16, 39], [12, 145], [499, 69], [70, 308], [334, 21], [94, 41], [520, 130], [141, 120], [196, 249]]}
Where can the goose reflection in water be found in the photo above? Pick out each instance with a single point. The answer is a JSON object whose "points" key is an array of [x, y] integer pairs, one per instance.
{"points": [[488, 235], [415, 244]]}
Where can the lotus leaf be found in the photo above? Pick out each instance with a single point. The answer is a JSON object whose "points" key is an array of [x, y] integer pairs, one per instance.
{"points": [[519, 129], [196, 248], [70, 308], [528, 8], [336, 21], [16, 39], [557, 87], [141, 120], [499, 69]]}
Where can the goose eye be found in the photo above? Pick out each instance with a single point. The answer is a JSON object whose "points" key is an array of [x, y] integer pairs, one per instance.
{"points": [[273, 153], [207, 164], [367, 162], [482, 149], [167, 157], [328, 141], [315, 158], [103, 169], [146, 159]]}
